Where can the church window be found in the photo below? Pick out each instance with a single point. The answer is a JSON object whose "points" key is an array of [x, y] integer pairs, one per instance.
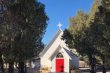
{"points": [[59, 55]]}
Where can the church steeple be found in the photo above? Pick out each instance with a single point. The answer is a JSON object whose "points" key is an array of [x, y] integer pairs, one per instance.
{"points": [[59, 25]]}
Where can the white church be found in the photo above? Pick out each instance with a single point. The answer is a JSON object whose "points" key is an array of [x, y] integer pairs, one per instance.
{"points": [[57, 57]]}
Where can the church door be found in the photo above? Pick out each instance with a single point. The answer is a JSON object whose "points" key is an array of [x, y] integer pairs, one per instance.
{"points": [[59, 64]]}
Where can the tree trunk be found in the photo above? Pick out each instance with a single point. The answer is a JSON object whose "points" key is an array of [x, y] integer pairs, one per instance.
{"points": [[1, 64], [16, 65], [92, 64], [104, 69], [6, 65], [30, 65], [25, 69], [93, 69], [21, 67], [11, 67]]}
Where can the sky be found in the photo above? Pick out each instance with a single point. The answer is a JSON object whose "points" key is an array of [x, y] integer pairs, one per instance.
{"points": [[61, 11]]}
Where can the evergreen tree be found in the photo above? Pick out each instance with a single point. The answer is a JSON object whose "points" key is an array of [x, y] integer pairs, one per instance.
{"points": [[23, 28], [91, 37]]}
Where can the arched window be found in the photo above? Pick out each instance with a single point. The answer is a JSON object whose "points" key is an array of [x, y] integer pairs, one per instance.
{"points": [[59, 55]]}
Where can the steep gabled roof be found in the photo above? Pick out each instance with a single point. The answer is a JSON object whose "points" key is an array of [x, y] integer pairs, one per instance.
{"points": [[50, 43], [69, 52]]}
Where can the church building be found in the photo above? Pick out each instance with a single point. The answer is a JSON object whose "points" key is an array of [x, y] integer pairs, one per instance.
{"points": [[57, 57]]}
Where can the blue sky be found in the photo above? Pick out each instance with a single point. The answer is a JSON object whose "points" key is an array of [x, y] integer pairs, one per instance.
{"points": [[61, 11]]}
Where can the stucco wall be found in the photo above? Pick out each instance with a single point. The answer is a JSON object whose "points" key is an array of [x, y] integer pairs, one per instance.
{"points": [[66, 64], [53, 65], [45, 63]]}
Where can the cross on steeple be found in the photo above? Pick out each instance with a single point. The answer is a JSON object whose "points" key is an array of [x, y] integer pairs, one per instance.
{"points": [[59, 25]]}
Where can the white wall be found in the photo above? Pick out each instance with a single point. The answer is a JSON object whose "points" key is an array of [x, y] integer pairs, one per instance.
{"points": [[53, 67], [66, 64], [66, 61], [45, 63]]}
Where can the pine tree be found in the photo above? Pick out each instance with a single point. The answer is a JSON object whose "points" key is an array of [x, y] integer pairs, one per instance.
{"points": [[91, 37], [24, 25]]}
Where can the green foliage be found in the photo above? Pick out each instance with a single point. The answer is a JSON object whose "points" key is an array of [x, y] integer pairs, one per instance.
{"points": [[90, 33], [22, 30], [77, 23]]}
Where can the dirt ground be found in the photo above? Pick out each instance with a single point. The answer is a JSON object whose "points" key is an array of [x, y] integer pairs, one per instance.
{"points": [[29, 70], [32, 70]]}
